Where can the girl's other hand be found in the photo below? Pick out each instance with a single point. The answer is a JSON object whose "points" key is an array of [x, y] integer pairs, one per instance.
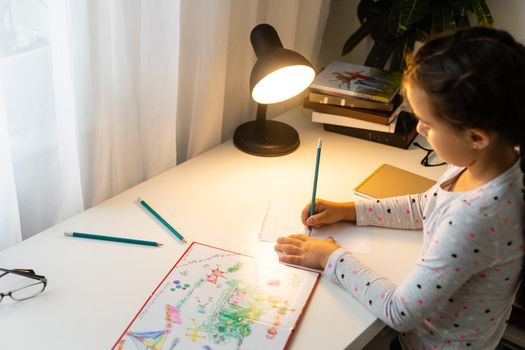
{"points": [[327, 213], [305, 251]]}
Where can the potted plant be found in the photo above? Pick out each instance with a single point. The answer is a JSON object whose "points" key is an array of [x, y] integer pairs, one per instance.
{"points": [[395, 25]]}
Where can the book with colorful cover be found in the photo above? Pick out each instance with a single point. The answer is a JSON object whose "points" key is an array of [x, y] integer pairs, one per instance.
{"points": [[349, 79], [217, 299]]}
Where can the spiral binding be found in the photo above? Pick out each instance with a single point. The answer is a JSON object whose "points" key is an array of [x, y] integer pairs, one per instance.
{"points": [[368, 177]]}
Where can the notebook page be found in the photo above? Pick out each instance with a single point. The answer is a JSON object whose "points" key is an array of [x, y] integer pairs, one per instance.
{"points": [[284, 218]]}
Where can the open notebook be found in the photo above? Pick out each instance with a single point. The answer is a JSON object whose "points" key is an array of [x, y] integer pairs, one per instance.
{"points": [[388, 181], [284, 218]]}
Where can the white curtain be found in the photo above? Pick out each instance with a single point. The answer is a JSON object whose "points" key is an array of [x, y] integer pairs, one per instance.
{"points": [[217, 57], [97, 96]]}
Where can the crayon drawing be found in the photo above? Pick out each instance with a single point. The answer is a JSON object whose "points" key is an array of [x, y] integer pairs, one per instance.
{"points": [[215, 299]]}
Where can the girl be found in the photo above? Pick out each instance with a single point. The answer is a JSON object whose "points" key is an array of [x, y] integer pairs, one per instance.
{"points": [[467, 91]]}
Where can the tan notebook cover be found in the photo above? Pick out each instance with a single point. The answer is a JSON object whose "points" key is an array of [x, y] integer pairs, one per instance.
{"points": [[388, 181]]}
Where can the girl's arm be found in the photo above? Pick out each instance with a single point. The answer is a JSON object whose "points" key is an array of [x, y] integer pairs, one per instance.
{"points": [[445, 266], [403, 212]]}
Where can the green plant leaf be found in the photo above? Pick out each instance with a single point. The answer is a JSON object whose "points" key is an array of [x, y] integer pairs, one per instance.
{"points": [[395, 25], [437, 18], [368, 9], [482, 13], [393, 18], [411, 11], [398, 55], [357, 36], [462, 20], [460, 7], [378, 10], [449, 19], [372, 14], [380, 53], [408, 48]]}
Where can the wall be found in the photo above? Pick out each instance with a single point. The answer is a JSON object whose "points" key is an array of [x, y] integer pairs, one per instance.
{"points": [[509, 15], [342, 22]]}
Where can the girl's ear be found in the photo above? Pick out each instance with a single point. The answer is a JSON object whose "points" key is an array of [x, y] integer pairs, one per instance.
{"points": [[478, 138]]}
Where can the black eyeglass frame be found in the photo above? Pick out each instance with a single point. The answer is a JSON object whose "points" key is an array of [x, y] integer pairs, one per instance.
{"points": [[425, 160], [29, 273]]}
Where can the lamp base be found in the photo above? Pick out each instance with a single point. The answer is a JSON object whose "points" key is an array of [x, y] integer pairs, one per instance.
{"points": [[270, 139]]}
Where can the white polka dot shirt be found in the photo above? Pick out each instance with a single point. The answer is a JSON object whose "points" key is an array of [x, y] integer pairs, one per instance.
{"points": [[459, 294]]}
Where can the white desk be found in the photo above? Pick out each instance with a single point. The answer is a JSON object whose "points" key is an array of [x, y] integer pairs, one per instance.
{"points": [[95, 288]]}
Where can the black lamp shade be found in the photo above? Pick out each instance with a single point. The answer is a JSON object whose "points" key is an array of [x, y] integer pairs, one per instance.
{"points": [[299, 75], [269, 63], [278, 74]]}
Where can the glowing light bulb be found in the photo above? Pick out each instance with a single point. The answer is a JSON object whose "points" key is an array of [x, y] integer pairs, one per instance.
{"points": [[283, 84]]}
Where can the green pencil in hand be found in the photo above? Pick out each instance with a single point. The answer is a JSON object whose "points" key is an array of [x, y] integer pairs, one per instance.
{"points": [[316, 175]]}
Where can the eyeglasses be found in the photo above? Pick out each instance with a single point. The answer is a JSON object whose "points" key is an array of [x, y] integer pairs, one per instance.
{"points": [[425, 161], [21, 283]]}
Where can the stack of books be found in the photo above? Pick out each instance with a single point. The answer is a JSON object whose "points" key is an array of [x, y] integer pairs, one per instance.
{"points": [[362, 102]]}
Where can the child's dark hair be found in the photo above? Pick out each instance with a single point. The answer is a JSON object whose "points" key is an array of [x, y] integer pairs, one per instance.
{"points": [[476, 78]]}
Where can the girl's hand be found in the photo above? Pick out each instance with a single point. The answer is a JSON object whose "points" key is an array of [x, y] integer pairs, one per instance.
{"points": [[327, 213], [305, 251]]}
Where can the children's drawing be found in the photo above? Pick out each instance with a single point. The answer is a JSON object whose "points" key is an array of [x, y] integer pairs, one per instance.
{"points": [[148, 340], [201, 307], [177, 284], [215, 299], [214, 276], [195, 332], [172, 315]]}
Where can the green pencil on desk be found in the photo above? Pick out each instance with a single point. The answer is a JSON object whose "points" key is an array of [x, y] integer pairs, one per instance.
{"points": [[162, 221], [316, 175], [112, 239]]}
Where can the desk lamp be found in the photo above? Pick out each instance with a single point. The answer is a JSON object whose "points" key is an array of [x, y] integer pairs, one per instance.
{"points": [[278, 74]]}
